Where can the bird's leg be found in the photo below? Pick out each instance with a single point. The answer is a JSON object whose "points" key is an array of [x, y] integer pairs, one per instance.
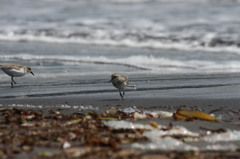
{"points": [[120, 94], [123, 92], [13, 81]]}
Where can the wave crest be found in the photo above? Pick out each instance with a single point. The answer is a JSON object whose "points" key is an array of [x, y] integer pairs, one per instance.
{"points": [[141, 62], [208, 42]]}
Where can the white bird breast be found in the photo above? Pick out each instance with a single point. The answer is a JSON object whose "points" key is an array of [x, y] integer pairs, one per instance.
{"points": [[15, 72]]}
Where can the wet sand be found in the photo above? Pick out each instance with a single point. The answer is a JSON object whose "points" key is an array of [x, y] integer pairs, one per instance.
{"points": [[142, 103]]}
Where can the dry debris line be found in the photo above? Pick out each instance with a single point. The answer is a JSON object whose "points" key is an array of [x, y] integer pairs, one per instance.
{"points": [[76, 135], [22, 130], [193, 114]]}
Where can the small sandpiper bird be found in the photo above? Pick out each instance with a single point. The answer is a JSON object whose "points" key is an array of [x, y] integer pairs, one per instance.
{"points": [[16, 71], [120, 83]]}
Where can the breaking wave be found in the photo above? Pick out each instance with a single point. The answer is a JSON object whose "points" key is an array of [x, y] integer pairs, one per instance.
{"points": [[182, 41]]}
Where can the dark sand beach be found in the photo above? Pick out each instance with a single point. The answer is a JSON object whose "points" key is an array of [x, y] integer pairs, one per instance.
{"points": [[183, 56], [60, 88]]}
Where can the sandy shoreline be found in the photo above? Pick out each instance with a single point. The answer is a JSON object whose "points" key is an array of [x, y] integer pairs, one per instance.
{"points": [[143, 103]]}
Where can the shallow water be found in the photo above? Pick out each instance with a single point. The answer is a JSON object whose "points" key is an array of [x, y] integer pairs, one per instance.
{"points": [[63, 74], [167, 48]]}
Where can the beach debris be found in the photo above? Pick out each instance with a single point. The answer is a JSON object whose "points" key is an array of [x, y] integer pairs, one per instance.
{"points": [[66, 145], [122, 124], [114, 115], [133, 115], [45, 154], [220, 130], [220, 147], [56, 112], [77, 152], [147, 115], [228, 135], [165, 114], [153, 124], [169, 132], [193, 114], [137, 115], [166, 144], [90, 135], [72, 122], [23, 130], [107, 118], [157, 133]]}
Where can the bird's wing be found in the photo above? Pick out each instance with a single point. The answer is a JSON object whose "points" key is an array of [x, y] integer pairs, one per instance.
{"points": [[125, 80], [16, 67]]}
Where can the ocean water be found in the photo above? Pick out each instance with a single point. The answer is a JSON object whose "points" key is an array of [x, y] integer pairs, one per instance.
{"points": [[174, 48]]}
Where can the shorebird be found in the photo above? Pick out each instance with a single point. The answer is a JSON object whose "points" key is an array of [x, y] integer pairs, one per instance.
{"points": [[16, 71], [120, 83]]}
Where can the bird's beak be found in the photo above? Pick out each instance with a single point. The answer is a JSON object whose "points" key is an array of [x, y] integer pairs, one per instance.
{"points": [[32, 73], [110, 81]]}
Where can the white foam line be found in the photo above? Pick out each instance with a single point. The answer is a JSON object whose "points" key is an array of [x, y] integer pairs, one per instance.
{"points": [[138, 61], [124, 42]]}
